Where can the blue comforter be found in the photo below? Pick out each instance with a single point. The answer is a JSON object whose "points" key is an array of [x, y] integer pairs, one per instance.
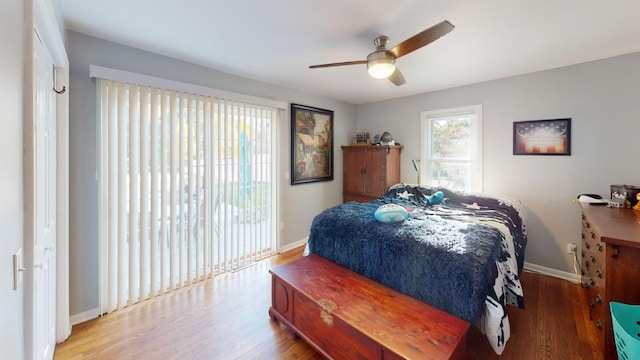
{"points": [[457, 256]]}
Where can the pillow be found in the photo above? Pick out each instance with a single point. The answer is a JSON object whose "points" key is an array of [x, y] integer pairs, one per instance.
{"points": [[390, 213]]}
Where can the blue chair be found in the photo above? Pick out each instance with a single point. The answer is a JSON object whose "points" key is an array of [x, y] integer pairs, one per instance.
{"points": [[626, 329]]}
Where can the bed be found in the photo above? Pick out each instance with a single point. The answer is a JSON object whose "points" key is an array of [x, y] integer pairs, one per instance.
{"points": [[463, 256]]}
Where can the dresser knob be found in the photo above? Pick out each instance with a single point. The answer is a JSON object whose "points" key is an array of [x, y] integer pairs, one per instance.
{"points": [[587, 224], [599, 273], [587, 246], [614, 252], [593, 259], [599, 325], [599, 246], [591, 303], [593, 235], [599, 299], [582, 235]]}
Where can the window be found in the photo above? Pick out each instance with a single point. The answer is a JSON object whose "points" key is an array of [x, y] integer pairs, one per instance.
{"points": [[451, 148], [187, 188]]}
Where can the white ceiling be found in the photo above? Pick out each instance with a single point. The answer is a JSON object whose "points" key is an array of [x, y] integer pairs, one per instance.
{"points": [[276, 40]]}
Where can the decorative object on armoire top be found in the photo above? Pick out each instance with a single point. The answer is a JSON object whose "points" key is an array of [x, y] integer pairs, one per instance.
{"points": [[386, 139], [362, 138]]}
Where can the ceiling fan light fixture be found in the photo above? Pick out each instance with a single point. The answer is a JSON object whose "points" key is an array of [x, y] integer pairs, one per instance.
{"points": [[381, 69], [381, 64]]}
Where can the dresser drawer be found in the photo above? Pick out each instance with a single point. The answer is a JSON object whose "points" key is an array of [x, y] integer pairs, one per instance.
{"points": [[593, 257], [593, 268], [593, 275]]}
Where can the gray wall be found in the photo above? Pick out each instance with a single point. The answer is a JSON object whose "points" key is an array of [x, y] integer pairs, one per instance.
{"points": [[601, 97], [299, 203], [11, 199]]}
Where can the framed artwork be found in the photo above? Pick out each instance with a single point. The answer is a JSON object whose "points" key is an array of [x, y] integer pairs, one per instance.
{"points": [[311, 144], [542, 137]]}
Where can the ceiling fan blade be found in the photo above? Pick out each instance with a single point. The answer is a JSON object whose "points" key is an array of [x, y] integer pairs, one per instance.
{"points": [[396, 77], [421, 39], [359, 62]]}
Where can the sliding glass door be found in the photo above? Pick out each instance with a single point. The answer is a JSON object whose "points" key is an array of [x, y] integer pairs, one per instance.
{"points": [[187, 188]]}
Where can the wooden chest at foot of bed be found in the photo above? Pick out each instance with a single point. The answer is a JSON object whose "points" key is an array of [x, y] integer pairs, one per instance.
{"points": [[344, 315]]}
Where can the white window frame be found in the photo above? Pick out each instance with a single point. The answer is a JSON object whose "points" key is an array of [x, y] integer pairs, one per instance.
{"points": [[475, 160]]}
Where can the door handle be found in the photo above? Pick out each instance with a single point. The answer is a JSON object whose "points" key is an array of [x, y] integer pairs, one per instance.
{"points": [[17, 269]]}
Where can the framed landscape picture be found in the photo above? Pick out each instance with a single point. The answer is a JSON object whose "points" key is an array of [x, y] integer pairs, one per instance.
{"points": [[311, 144], [542, 137]]}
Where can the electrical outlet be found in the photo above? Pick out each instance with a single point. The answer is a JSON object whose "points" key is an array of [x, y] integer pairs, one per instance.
{"points": [[571, 248]]}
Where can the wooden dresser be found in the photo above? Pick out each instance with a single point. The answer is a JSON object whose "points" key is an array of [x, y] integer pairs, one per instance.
{"points": [[369, 171], [610, 265], [344, 315]]}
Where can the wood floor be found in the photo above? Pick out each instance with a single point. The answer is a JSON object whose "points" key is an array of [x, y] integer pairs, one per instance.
{"points": [[226, 318]]}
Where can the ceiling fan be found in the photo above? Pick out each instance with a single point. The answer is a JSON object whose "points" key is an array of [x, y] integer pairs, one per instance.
{"points": [[381, 63]]}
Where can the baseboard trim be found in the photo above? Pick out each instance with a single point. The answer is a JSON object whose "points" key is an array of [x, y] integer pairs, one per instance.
{"points": [[294, 245], [552, 272], [84, 316]]}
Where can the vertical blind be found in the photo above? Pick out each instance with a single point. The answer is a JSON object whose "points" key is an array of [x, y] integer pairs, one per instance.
{"points": [[187, 188]]}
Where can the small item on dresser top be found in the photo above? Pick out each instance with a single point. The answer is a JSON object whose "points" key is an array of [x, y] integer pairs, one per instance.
{"points": [[627, 192], [637, 207], [619, 203], [593, 199]]}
